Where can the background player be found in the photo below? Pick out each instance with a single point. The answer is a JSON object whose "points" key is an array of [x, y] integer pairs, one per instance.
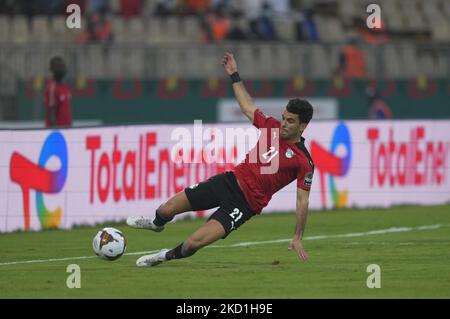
{"points": [[57, 96]]}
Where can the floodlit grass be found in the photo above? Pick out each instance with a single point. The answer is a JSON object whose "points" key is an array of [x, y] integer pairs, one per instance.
{"points": [[414, 261]]}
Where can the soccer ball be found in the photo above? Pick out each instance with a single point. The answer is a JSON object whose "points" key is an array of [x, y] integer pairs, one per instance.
{"points": [[109, 243]]}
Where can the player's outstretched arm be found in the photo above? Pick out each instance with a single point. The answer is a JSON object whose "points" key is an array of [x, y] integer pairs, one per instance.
{"points": [[301, 214], [244, 99]]}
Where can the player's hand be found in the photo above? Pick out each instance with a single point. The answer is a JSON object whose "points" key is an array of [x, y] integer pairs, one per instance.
{"points": [[296, 244], [229, 63]]}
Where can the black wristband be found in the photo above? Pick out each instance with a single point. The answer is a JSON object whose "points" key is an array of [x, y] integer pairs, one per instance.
{"points": [[235, 77]]}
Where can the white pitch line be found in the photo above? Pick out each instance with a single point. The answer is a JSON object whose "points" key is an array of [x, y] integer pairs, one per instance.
{"points": [[253, 243], [68, 258]]}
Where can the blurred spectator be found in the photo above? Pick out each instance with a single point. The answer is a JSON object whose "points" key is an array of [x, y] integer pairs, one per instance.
{"points": [[236, 33], [262, 26], [378, 109], [196, 6], [251, 8], [223, 4], [130, 8], [103, 28], [7, 6], [97, 6], [218, 24], [306, 27], [164, 8], [99, 29], [352, 61], [57, 96], [373, 36]]}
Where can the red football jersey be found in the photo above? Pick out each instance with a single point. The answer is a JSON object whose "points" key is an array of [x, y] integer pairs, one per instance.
{"points": [[272, 164], [58, 95]]}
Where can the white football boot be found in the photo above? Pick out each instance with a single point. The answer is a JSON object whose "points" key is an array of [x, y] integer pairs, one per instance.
{"points": [[143, 223], [152, 260]]}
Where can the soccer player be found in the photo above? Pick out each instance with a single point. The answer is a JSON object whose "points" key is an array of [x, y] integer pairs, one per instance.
{"points": [[57, 97], [244, 192]]}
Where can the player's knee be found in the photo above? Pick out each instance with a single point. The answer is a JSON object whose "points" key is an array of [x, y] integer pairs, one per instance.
{"points": [[166, 208], [195, 243]]}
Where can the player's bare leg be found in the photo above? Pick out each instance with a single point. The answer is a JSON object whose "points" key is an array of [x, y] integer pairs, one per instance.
{"points": [[177, 204], [205, 235]]}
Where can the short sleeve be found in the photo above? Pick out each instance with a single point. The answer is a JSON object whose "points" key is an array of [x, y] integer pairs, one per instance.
{"points": [[304, 177], [261, 120]]}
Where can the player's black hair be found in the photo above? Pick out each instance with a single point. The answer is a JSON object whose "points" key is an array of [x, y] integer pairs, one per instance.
{"points": [[302, 108], [55, 59], [58, 68]]}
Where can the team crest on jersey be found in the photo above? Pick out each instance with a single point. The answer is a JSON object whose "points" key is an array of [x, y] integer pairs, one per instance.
{"points": [[289, 153], [308, 179]]}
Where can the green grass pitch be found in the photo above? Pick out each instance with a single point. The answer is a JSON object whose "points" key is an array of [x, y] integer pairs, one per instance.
{"points": [[414, 260]]}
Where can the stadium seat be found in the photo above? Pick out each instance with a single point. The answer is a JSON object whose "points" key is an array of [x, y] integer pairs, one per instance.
{"points": [[320, 62], [189, 30], [154, 33], [346, 11], [192, 66], [19, 30], [134, 63], [135, 30], [17, 60], [442, 65], [298, 60], [40, 30], [264, 59], [440, 30], [119, 30], [371, 54], [446, 7], [169, 63], [321, 28], [248, 65], [426, 65], [431, 12], [391, 62], [4, 28], [59, 31], [335, 30], [282, 56], [285, 28], [37, 61], [413, 17], [409, 60], [91, 61], [114, 6], [114, 61], [206, 60], [171, 30]]}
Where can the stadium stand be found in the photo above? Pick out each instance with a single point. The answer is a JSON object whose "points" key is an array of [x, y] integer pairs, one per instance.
{"points": [[415, 38], [153, 39]]}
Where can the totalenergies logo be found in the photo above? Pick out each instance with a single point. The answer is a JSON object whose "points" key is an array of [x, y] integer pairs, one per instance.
{"points": [[30, 176], [332, 165]]}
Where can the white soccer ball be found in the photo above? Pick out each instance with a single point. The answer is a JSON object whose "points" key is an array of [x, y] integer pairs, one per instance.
{"points": [[109, 243]]}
